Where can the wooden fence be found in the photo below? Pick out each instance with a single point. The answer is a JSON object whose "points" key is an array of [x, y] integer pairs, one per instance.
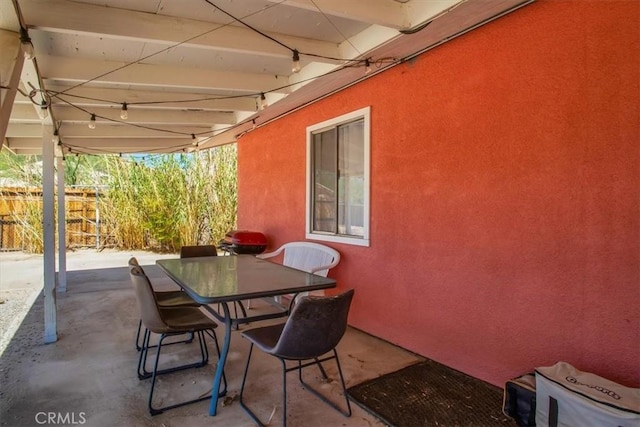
{"points": [[21, 218]]}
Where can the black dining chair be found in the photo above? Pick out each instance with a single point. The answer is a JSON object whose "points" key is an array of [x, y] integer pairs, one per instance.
{"points": [[310, 335], [165, 299], [168, 322]]}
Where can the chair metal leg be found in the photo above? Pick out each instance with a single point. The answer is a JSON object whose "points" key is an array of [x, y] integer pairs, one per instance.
{"points": [[322, 371], [244, 379], [299, 366], [139, 345], [142, 361], [242, 309], [156, 411], [284, 393], [347, 412]]}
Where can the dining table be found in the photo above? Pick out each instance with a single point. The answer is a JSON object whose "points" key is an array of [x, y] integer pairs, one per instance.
{"points": [[227, 279]]}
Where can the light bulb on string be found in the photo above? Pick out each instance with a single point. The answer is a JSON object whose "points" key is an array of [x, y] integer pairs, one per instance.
{"points": [[27, 45], [124, 115], [56, 138], [295, 66], [44, 109], [92, 122], [263, 101], [367, 66]]}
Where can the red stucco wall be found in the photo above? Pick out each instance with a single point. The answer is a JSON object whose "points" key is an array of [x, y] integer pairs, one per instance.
{"points": [[505, 194]]}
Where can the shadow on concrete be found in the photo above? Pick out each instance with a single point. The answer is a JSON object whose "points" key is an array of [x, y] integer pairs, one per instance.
{"points": [[88, 377]]}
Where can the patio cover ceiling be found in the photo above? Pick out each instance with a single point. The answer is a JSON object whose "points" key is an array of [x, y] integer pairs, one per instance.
{"points": [[192, 72]]}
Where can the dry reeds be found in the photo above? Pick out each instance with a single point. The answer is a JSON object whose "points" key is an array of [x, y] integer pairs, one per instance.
{"points": [[161, 202], [165, 202]]}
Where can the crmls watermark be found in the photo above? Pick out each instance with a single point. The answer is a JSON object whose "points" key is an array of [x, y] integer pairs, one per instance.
{"points": [[53, 418]]}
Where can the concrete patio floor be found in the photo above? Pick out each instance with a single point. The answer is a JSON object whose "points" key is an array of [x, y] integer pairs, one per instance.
{"points": [[89, 374]]}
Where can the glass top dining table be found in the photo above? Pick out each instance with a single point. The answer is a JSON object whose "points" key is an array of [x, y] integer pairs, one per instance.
{"points": [[224, 279]]}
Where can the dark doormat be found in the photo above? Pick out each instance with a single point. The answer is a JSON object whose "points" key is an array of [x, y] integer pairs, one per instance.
{"points": [[430, 394]]}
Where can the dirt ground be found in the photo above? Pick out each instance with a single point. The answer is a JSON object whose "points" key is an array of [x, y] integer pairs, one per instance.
{"points": [[21, 281]]}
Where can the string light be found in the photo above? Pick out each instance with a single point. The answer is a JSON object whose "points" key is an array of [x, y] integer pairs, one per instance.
{"points": [[295, 67], [55, 139], [124, 115], [263, 101], [44, 110], [27, 45]]}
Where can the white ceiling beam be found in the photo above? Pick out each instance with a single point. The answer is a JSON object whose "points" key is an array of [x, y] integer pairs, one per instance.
{"points": [[391, 14], [31, 80], [170, 100], [156, 76], [382, 12], [367, 40], [422, 12], [11, 63], [22, 130], [25, 151], [67, 130], [107, 144], [73, 17], [24, 113], [127, 144], [145, 116]]}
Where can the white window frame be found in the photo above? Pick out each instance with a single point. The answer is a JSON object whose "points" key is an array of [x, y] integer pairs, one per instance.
{"points": [[363, 113]]}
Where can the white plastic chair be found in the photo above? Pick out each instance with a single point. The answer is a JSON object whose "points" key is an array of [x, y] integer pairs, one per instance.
{"points": [[306, 256]]}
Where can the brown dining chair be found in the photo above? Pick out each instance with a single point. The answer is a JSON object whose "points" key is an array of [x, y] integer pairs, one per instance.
{"points": [[198, 251], [310, 335], [168, 322], [165, 299]]}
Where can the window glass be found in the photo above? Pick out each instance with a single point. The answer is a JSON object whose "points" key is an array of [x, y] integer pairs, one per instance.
{"points": [[338, 175]]}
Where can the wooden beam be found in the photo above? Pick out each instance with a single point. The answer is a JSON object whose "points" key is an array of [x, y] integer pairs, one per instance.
{"points": [[78, 70], [24, 113], [92, 96], [148, 116], [11, 62], [110, 145], [105, 130], [382, 12], [395, 15], [74, 17]]}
